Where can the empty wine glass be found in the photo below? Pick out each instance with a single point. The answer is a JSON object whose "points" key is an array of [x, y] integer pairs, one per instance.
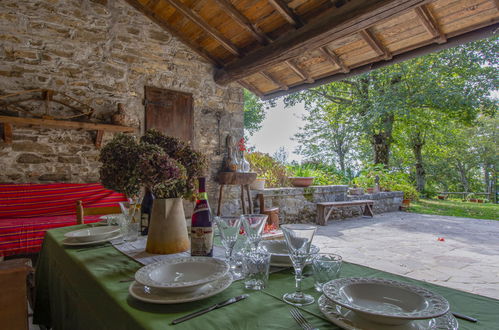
{"points": [[298, 240], [253, 227], [229, 230]]}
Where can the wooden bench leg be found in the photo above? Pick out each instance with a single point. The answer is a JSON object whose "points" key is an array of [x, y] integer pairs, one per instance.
{"points": [[368, 211], [320, 215]]}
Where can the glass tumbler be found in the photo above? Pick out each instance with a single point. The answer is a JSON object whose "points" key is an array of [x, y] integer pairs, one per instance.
{"points": [[326, 267], [256, 269]]}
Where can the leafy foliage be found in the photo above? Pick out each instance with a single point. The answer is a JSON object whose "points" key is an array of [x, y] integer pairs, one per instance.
{"points": [[275, 173], [163, 164]]}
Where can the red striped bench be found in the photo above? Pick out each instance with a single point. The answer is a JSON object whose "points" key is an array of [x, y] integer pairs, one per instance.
{"points": [[27, 211]]}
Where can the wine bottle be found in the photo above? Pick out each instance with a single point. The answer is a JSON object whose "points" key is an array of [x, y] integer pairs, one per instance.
{"points": [[146, 210], [201, 225]]}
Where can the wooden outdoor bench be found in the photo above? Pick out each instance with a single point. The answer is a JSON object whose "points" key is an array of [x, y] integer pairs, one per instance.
{"points": [[322, 217]]}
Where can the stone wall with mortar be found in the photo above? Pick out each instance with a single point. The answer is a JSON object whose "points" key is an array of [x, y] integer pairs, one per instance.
{"points": [[298, 205], [101, 52]]}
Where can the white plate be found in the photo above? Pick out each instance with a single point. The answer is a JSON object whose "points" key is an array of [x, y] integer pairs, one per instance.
{"points": [[385, 301], [159, 296], [182, 274], [347, 319], [279, 253], [72, 242], [91, 234]]}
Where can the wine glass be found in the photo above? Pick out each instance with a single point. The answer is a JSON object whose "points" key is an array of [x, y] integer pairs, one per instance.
{"points": [[229, 229], [253, 227], [298, 240]]}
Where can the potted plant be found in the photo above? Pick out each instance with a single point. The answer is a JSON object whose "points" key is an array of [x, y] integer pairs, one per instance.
{"points": [[302, 177], [410, 193], [258, 184], [165, 166]]}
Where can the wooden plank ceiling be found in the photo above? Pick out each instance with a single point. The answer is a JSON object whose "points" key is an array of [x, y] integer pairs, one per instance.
{"points": [[273, 47]]}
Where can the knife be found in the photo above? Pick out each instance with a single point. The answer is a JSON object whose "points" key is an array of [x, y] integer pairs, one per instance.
{"points": [[209, 309], [464, 317]]}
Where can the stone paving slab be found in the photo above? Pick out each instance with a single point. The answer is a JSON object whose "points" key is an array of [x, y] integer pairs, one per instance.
{"points": [[407, 244]]}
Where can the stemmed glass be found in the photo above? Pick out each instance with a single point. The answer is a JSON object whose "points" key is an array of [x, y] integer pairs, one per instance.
{"points": [[298, 239], [229, 229], [253, 227]]}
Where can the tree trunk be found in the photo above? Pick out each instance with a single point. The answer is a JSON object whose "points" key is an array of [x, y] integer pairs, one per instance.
{"points": [[486, 177], [464, 178], [381, 148], [382, 141], [341, 158], [417, 148]]}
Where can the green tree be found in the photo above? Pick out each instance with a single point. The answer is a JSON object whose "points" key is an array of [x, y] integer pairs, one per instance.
{"points": [[417, 96], [254, 111]]}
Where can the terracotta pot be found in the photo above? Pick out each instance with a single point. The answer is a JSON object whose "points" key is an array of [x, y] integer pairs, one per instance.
{"points": [[301, 181], [258, 184], [406, 202], [473, 200], [441, 197], [370, 190], [167, 229], [479, 200]]}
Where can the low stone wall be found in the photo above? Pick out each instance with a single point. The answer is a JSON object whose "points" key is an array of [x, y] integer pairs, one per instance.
{"points": [[298, 205]]}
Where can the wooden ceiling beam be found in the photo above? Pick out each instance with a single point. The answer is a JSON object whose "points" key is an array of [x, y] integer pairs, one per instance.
{"points": [[200, 21], [333, 58], [153, 17], [430, 24], [243, 21], [250, 87], [375, 44], [274, 81], [346, 20], [301, 73], [472, 33], [286, 12]]}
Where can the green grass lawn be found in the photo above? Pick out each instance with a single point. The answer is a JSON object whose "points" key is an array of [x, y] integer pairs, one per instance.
{"points": [[456, 208]]}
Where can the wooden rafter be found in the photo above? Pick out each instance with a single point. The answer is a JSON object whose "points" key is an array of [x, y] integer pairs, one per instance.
{"points": [[375, 44], [196, 18], [302, 73], [335, 59], [243, 21], [472, 33], [430, 24], [250, 87], [273, 80], [286, 12], [153, 17], [354, 16]]}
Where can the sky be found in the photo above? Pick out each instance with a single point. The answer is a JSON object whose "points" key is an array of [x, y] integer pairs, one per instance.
{"points": [[278, 128]]}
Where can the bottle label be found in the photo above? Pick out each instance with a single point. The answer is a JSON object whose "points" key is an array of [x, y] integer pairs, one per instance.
{"points": [[201, 241]]}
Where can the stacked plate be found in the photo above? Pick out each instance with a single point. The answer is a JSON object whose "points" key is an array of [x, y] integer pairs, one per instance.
{"points": [[279, 253], [379, 304], [92, 235], [178, 280]]}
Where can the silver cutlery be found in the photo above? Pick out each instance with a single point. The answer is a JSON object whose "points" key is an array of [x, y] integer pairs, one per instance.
{"points": [[464, 317], [209, 309], [300, 319]]}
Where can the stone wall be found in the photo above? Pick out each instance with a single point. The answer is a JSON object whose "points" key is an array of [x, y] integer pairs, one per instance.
{"points": [[298, 205], [101, 52]]}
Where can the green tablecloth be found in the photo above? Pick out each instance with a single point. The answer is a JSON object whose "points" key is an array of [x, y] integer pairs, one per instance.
{"points": [[80, 289]]}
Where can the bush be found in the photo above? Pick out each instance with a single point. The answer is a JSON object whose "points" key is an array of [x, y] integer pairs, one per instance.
{"points": [[394, 181], [323, 174], [274, 173]]}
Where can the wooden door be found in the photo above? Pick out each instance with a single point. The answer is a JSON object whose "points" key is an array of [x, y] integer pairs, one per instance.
{"points": [[170, 112]]}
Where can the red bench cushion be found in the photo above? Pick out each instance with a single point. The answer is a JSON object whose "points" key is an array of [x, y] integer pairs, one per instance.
{"points": [[25, 235], [27, 211]]}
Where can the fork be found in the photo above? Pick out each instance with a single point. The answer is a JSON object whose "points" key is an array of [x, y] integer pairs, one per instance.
{"points": [[300, 319]]}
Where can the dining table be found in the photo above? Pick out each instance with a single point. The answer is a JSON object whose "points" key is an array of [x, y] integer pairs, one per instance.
{"points": [[87, 288]]}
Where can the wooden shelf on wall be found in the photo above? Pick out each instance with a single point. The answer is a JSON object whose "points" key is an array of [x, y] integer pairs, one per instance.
{"points": [[9, 121]]}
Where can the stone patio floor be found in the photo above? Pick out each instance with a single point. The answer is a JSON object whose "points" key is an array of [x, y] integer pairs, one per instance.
{"points": [[407, 244]]}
